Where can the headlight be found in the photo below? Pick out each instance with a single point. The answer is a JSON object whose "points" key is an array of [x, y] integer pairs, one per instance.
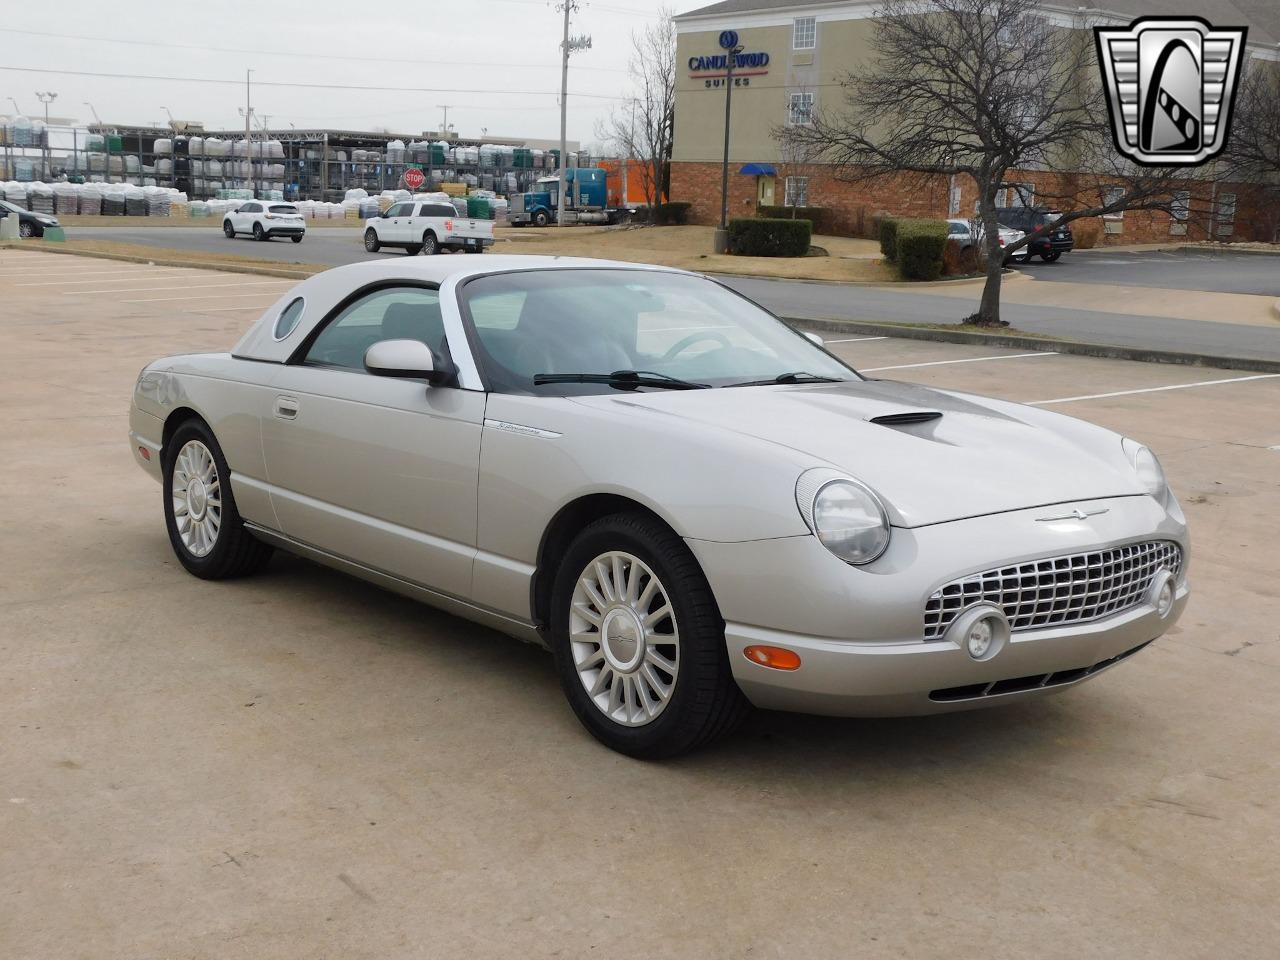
{"points": [[845, 515], [1147, 467]]}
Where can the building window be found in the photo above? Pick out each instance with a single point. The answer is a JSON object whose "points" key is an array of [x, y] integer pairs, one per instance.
{"points": [[1226, 214], [804, 33], [1181, 206], [800, 109], [1113, 195], [1021, 194], [1001, 199], [797, 192]]}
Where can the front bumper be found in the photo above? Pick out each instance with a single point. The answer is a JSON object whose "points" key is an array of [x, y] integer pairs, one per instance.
{"points": [[859, 631]]}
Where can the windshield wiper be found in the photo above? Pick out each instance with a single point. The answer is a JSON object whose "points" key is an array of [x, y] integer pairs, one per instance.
{"points": [[796, 376], [621, 379]]}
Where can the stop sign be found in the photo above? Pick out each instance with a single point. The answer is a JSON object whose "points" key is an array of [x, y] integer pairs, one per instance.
{"points": [[414, 178]]}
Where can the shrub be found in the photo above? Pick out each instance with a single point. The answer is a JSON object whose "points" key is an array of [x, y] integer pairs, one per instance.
{"points": [[920, 247], [821, 217], [1086, 234], [671, 214], [889, 238], [770, 237]]}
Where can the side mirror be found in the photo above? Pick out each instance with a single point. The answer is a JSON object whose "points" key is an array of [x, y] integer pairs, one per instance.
{"points": [[411, 359], [814, 338]]}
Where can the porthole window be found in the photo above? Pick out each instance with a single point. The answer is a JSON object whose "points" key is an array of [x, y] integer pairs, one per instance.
{"points": [[287, 322]]}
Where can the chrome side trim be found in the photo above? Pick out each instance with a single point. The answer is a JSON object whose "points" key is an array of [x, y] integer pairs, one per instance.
{"points": [[520, 629], [521, 428]]}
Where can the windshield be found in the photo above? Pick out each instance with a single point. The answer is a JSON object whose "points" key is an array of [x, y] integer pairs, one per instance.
{"points": [[668, 325]]}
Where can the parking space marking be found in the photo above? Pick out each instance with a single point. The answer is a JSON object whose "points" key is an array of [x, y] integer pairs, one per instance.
{"points": [[1175, 386], [132, 279], [188, 286], [940, 363], [207, 296], [856, 340]]}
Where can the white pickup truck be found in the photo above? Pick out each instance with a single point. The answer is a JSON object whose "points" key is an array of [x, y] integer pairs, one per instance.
{"points": [[426, 226]]}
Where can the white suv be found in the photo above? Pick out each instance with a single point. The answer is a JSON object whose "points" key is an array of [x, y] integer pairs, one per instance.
{"points": [[265, 219]]}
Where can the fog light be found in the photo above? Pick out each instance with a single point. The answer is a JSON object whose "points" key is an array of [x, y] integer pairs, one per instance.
{"points": [[1163, 593], [979, 640], [981, 631]]}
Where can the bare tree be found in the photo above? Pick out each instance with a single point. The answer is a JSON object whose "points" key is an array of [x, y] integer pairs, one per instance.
{"points": [[984, 88], [643, 126], [1253, 153]]}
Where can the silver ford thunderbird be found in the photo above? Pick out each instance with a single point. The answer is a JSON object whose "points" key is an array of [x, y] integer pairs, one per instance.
{"points": [[694, 506]]}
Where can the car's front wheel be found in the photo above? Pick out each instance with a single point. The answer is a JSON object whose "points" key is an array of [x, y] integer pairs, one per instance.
{"points": [[26, 230], [228, 229], [205, 528], [371, 241], [639, 643]]}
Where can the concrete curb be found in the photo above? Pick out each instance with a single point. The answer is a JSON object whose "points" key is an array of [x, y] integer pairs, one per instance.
{"points": [[1010, 276], [161, 261], [1103, 350]]}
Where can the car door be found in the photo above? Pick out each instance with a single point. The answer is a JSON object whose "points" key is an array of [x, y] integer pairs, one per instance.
{"points": [[244, 216], [396, 227], [376, 469]]}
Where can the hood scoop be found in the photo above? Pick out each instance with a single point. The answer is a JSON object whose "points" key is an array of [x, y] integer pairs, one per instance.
{"points": [[905, 419]]}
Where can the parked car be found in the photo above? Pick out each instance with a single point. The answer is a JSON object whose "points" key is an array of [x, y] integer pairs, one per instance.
{"points": [[265, 220], [694, 506], [426, 227], [30, 224], [968, 234], [1049, 246]]}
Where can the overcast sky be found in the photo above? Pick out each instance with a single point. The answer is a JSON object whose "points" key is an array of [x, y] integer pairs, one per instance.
{"points": [[496, 62]]}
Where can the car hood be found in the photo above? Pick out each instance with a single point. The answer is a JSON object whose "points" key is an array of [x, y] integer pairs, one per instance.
{"points": [[980, 457]]}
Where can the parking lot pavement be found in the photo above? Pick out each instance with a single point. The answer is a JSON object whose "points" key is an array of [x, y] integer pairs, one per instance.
{"points": [[301, 765], [1220, 271]]}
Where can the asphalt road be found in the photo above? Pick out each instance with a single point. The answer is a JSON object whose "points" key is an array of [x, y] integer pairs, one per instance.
{"points": [[1213, 270], [1217, 272]]}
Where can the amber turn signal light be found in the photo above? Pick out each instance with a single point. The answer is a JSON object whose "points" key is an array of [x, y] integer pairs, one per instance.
{"points": [[774, 657]]}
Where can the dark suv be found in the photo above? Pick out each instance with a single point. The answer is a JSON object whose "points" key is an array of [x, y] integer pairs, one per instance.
{"points": [[1048, 247]]}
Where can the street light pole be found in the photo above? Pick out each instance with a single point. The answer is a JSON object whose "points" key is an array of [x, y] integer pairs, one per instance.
{"points": [[729, 42], [46, 98], [248, 132]]}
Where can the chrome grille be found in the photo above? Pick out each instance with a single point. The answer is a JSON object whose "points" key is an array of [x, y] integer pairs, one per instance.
{"points": [[1057, 590]]}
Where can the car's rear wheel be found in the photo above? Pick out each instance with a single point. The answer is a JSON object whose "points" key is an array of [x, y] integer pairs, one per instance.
{"points": [[205, 528], [297, 238], [638, 640], [228, 229], [413, 249], [371, 241], [258, 232], [430, 246], [1051, 256], [26, 230]]}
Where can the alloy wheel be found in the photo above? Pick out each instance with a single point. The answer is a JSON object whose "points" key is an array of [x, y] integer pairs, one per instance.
{"points": [[197, 498], [624, 638]]}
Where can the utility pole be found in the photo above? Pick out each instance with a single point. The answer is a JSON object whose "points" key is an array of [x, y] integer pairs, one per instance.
{"points": [[567, 45], [729, 43], [46, 98], [248, 132]]}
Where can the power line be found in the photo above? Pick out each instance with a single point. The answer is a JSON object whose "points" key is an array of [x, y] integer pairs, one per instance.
{"points": [[306, 86], [288, 53]]}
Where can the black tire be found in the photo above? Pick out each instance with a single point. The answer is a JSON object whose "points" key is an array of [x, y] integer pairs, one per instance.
{"points": [[706, 703], [26, 229], [1051, 257], [430, 246], [413, 249], [228, 230], [296, 239], [540, 219], [236, 552], [258, 232], [371, 243]]}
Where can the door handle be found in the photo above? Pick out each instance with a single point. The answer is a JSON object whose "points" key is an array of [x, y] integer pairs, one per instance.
{"points": [[286, 408]]}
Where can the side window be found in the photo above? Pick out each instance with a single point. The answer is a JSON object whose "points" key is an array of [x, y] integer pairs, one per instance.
{"points": [[248, 208], [288, 319], [392, 313]]}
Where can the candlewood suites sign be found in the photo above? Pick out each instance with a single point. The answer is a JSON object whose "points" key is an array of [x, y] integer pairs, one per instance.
{"points": [[713, 70]]}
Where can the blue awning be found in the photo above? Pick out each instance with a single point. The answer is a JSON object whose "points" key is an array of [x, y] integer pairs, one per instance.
{"points": [[758, 170]]}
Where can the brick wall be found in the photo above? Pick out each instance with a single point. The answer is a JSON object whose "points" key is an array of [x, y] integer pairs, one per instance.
{"points": [[853, 204]]}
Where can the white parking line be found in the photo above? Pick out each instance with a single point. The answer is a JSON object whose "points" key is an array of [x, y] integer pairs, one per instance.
{"points": [[207, 296], [188, 286], [856, 340], [939, 363], [1176, 386], [133, 279], [251, 306]]}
